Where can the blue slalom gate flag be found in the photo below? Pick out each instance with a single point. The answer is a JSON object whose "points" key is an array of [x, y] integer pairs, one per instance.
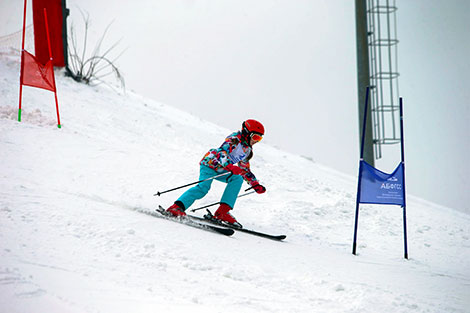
{"points": [[377, 187], [381, 188]]}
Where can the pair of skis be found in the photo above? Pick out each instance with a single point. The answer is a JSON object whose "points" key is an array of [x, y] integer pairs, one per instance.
{"points": [[210, 224]]}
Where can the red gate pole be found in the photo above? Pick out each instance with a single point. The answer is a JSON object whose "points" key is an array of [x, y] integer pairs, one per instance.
{"points": [[53, 75], [22, 61]]}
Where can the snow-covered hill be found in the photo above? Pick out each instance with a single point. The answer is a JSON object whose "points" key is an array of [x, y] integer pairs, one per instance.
{"points": [[76, 233]]}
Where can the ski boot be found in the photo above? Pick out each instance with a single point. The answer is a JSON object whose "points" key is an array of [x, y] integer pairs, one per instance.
{"points": [[222, 215], [177, 209]]}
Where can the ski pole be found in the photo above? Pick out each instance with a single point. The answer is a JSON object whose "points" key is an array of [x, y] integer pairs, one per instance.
{"points": [[206, 206], [213, 177]]}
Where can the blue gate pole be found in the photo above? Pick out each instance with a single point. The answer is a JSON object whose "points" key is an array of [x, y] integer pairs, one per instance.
{"points": [[360, 172], [404, 190]]}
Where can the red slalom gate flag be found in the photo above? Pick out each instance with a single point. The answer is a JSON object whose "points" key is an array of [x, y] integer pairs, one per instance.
{"points": [[35, 74]]}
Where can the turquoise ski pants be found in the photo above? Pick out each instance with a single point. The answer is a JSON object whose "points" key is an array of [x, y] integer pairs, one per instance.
{"points": [[234, 184]]}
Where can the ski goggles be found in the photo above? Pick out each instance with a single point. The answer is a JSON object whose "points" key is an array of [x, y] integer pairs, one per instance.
{"points": [[256, 137]]}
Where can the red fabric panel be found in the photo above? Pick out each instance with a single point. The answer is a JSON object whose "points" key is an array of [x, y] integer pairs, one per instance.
{"points": [[54, 17], [35, 74]]}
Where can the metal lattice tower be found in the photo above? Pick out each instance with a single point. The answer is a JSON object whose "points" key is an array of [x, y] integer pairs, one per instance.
{"points": [[383, 70]]}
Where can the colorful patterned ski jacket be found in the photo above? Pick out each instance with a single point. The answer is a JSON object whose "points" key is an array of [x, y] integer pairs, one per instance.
{"points": [[234, 150]]}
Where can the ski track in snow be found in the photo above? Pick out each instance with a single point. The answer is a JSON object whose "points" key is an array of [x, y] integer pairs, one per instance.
{"points": [[78, 234]]}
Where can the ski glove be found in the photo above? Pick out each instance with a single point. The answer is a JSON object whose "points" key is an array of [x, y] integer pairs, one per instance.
{"points": [[235, 170], [259, 188]]}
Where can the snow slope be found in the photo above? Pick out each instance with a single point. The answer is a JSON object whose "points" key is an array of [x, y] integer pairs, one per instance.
{"points": [[77, 232]]}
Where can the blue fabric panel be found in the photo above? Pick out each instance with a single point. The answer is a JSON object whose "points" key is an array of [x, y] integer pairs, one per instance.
{"points": [[381, 188]]}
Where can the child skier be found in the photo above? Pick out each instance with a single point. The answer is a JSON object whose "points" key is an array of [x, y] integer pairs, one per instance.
{"points": [[236, 149]]}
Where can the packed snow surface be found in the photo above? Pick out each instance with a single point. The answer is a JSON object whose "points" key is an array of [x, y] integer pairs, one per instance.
{"points": [[78, 232]]}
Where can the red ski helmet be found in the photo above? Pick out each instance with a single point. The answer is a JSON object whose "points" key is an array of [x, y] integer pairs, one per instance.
{"points": [[252, 131], [253, 126]]}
